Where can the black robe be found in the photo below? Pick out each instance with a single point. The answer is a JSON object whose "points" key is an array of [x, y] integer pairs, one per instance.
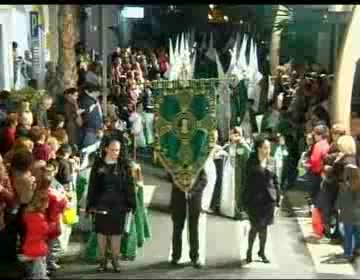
{"points": [[261, 193]]}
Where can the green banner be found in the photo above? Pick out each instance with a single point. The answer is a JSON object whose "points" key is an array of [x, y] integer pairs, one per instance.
{"points": [[185, 121]]}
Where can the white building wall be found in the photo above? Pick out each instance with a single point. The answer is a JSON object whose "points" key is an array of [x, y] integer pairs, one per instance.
{"points": [[6, 69], [21, 34], [15, 27]]}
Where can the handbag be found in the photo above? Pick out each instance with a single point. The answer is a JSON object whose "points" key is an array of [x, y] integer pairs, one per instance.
{"points": [[70, 217]]}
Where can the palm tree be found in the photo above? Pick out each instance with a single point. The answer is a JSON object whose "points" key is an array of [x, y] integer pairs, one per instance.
{"points": [[69, 30], [280, 16], [295, 29]]}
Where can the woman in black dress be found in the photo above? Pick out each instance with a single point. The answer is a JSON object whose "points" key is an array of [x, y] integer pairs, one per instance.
{"points": [[260, 196], [111, 196]]}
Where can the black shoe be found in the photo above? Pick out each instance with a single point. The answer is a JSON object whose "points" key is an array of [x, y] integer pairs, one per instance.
{"points": [[263, 258], [115, 264], [174, 262], [248, 257], [102, 266], [197, 264]]}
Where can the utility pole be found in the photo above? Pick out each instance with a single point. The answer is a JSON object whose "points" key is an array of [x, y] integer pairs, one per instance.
{"points": [[103, 49]]}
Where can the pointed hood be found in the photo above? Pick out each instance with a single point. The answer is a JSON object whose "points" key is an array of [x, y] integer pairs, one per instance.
{"points": [[234, 55], [211, 52], [182, 45], [242, 65], [193, 61], [177, 48], [211, 42], [258, 75], [192, 37], [171, 52], [229, 43], [220, 69], [203, 43]]}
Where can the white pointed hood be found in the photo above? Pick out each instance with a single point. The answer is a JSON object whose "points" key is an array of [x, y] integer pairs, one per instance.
{"points": [[241, 64], [177, 47], [171, 52], [220, 69], [203, 43], [234, 55], [211, 52]]}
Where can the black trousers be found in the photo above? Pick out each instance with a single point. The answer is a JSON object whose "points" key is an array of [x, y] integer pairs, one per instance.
{"points": [[215, 201], [180, 206]]}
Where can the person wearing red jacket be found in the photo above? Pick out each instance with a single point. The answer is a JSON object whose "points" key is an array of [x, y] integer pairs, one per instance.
{"points": [[36, 228], [315, 162], [9, 132], [57, 204]]}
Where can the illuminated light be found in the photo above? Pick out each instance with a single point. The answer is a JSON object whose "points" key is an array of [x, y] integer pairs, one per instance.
{"points": [[210, 17], [211, 6], [241, 21], [263, 42], [132, 12], [325, 16], [226, 18]]}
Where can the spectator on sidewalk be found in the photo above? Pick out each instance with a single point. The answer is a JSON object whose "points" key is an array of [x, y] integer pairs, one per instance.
{"points": [[348, 200], [41, 113]]}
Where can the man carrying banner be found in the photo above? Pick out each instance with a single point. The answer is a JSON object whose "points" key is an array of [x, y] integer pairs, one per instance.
{"points": [[182, 203]]}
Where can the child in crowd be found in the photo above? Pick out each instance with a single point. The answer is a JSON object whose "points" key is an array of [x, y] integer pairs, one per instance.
{"points": [[42, 150], [34, 247], [57, 204], [64, 175], [306, 154], [54, 147], [9, 133], [61, 135]]}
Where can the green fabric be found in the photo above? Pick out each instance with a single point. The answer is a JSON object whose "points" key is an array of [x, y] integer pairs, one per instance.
{"points": [[139, 232], [91, 248], [170, 108], [199, 145], [81, 185], [267, 123], [139, 229], [242, 155], [148, 128], [198, 106], [170, 144], [238, 104]]}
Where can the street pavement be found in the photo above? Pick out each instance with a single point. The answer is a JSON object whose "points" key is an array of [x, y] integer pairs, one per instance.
{"points": [[225, 246]]}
